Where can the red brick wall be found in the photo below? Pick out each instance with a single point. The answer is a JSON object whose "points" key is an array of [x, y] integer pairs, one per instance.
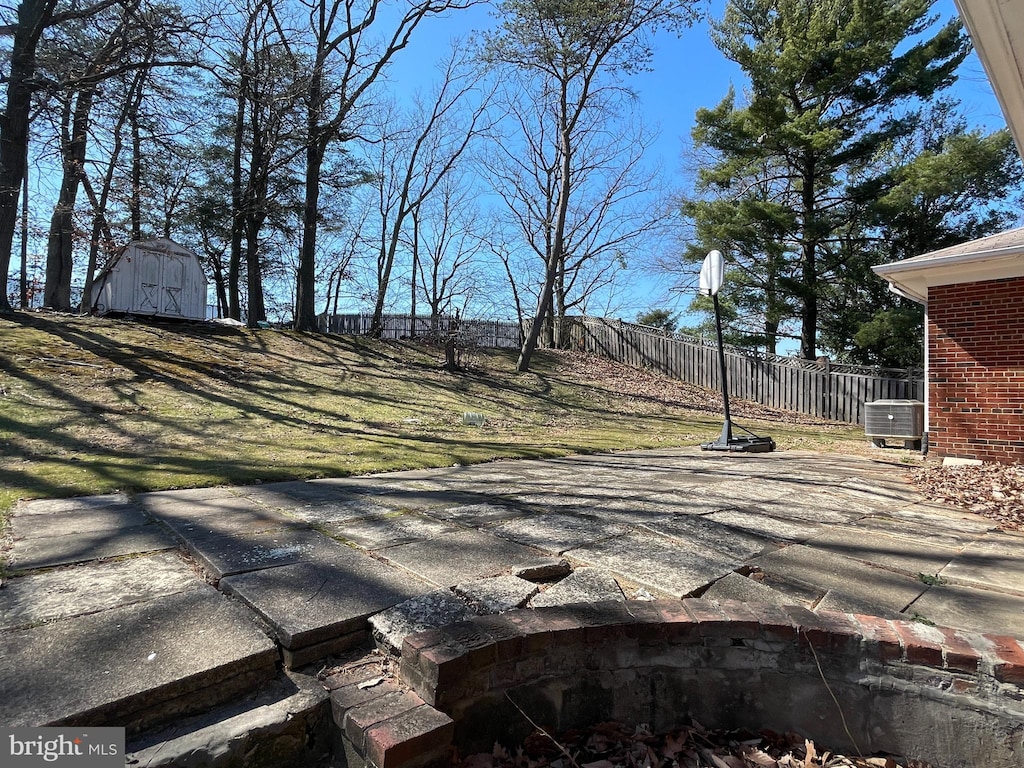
{"points": [[976, 370]]}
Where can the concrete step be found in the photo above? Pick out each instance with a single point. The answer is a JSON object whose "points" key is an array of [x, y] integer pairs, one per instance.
{"points": [[134, 665], [287, 722]]}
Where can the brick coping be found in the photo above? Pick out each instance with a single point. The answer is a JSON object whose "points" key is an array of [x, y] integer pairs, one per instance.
{"points": [[455, 679]]}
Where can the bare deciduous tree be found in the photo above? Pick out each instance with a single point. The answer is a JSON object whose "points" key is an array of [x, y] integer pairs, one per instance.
{"points": [[566, 58], [348, 57]]}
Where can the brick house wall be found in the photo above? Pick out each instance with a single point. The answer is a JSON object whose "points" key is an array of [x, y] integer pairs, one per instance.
{"points": [[976, 370]]}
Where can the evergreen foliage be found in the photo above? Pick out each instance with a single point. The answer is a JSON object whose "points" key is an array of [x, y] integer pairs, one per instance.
{"points": [[834, 162]]}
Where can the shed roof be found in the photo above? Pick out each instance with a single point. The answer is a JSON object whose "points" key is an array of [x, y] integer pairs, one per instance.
{"points": [[988, 258]]}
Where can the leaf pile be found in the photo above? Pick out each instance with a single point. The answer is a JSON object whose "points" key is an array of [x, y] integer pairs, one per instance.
{"points": [[995, 491], [646, 390], [613, 745]]}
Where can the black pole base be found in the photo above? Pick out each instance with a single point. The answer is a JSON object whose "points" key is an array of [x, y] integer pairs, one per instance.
{"points": [[741, 445]]}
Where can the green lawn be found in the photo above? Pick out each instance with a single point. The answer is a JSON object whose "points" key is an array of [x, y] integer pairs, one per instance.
{"points": [[92, 405]]}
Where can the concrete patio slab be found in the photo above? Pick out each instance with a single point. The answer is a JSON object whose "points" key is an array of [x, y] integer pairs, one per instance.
{"points": [[71, 522], [941, 518], [226, 555], [828, 571], [49, 551], [379, 532], [837, 601], [980, 610], [219, 516], [875, 493], [709, 534], [288, 494], [406, 496], [734, 586], [461, 556], [496, 594], [759, 524], [584, 585], [750, 490], [554, 500], [892, 552], [417, 614], [58, 594], [995, 560], [327, 514], [134, 665], [923, 534], [480, 515], [797, 592], [656, 563], [558, 532], [73, 504], [691, 502], [315, 602], [819, 507]]}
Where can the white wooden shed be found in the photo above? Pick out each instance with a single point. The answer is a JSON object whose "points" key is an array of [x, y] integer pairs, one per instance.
{"points": [[153, 278]]}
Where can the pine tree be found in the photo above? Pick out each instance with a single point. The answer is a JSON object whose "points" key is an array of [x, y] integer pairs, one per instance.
{"points": [[833, 85]]}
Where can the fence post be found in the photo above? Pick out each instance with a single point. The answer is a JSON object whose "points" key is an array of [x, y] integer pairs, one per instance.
{"points": [[827, 389]]}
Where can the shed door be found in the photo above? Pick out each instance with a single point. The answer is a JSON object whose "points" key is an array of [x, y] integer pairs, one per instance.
{"points": [[173, 284], [147, 270]]}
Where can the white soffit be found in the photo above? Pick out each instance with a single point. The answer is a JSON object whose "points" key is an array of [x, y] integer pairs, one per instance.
{"points": [[990, 258], [996, 28]]}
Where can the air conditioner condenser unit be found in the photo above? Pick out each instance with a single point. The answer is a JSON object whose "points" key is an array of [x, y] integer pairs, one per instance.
{"points": [[894, 420]]}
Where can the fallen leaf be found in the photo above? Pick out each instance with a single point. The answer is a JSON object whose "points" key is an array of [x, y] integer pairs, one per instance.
{"points": [[759, 757], [810, 753]]}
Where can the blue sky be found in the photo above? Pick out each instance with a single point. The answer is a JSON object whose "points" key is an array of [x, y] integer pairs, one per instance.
{"points": [[687, 73]]}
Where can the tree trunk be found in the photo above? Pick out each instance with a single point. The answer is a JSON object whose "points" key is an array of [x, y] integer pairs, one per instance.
{"points": [[543, 303], [809, 267], [60, 246], [33, 17], [23, 283], [316, 148], [101, 239], [415, 268], [136, 195], [237, 205], [254, 283], [217, 271], [305, 287]]}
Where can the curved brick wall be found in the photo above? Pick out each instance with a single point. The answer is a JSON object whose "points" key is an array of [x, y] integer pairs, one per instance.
{"points": [[952, 698]]}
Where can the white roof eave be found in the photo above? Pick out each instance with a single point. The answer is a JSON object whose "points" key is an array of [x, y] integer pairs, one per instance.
{"points": [[996, 28], [913, 277]]}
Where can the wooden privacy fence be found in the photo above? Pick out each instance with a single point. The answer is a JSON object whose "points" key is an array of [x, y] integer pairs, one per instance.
{"points": [[480, 333], [817, 388]]}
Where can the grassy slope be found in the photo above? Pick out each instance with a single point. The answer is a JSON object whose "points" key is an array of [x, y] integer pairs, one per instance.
{"points": [[91, 406]]}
